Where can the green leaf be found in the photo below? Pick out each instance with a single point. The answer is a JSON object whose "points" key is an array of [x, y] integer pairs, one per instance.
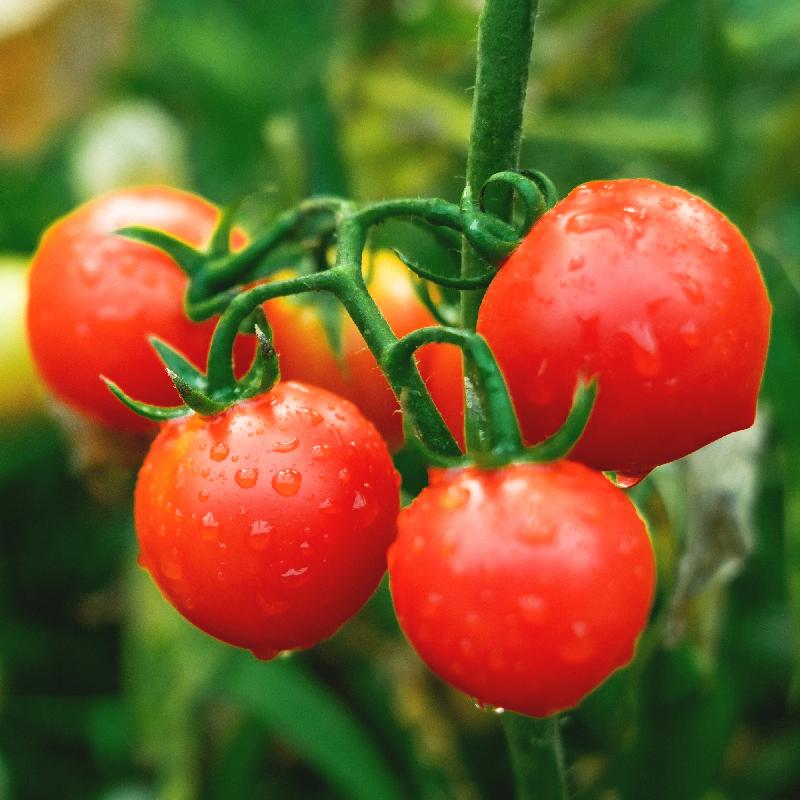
{"points": [[155, 413], [197, 400], [307, 716], [178, 364], [187, 258]]}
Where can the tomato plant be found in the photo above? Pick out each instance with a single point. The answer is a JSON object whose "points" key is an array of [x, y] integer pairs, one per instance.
{"points": [[95, 297], [524, 586], [307, 356], [654, 292], [267, 525]]}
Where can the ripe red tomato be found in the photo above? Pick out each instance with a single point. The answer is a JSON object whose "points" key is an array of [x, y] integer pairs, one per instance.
{"points": [[524, 586], [95, 297], [267, 526], [650, 289], [305, 354]]}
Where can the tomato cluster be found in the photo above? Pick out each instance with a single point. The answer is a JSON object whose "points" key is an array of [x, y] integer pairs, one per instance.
{"points": [[268, 524]]}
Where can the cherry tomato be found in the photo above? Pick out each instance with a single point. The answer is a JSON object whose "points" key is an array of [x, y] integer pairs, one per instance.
{"points": [[95, 297], [305, 354], [267, 526], [644, 286], [524, 586]]}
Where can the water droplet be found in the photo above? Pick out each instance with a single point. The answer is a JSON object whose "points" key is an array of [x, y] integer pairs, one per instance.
{"points": [[467, 647], [576, 263], [171, 569], [690, 287], [433, 602], [365, 507], [578, 646], [418, 543], [330, 507], [295, 575], [668, 203], [589, 222], [203, 495], [690, 334], [219, 452], [89, 270], [344, 475], [321, 452], [286, 482], [533, 608], [286, 446], [259, 534], [626, 480], [310, 416], [454, 497], [246, 477], [541, 389], [210, 525], [644, 347]]}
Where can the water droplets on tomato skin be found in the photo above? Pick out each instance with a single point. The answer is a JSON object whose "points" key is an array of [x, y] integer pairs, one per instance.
{"points": [[321, 451], [644, 348], [310, 416], [532, 607], [690, 333], [454, 497], [260, 531], [219, 452], [286, 446], [577, 645], [246, 477], [286, 482]]}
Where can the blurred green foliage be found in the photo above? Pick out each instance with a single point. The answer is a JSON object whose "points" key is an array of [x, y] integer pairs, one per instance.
{"points": [[104, 691]]}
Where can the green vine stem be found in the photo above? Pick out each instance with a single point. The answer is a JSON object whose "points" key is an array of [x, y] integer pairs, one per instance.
{"points": [[537, 757], [505, 41]]}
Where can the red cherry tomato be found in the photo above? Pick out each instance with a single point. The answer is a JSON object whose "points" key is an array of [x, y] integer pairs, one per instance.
{"points": [[305, 354], [267, 526], [95, 297], [524, 586], [650, 289]]}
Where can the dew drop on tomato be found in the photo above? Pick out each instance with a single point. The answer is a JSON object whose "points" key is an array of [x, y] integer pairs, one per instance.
{"points": [[246, 477], [286, 482]]}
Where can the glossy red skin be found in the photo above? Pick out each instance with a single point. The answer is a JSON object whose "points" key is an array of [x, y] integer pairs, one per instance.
{"points": [[261, 567], [95, 298], [524, 587], [305, 354], [652, 290]]}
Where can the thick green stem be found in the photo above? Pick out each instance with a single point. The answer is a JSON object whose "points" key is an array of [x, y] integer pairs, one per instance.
{"points": [[505, 40], [537, 757], [501, 441], [349, 288]]}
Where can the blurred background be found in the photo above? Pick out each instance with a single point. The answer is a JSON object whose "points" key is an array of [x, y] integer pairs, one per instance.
{"points": [[104, 691]]}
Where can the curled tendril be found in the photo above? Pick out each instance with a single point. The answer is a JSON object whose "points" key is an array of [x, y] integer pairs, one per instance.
{"points": [[450, 281], [492, 238]]}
